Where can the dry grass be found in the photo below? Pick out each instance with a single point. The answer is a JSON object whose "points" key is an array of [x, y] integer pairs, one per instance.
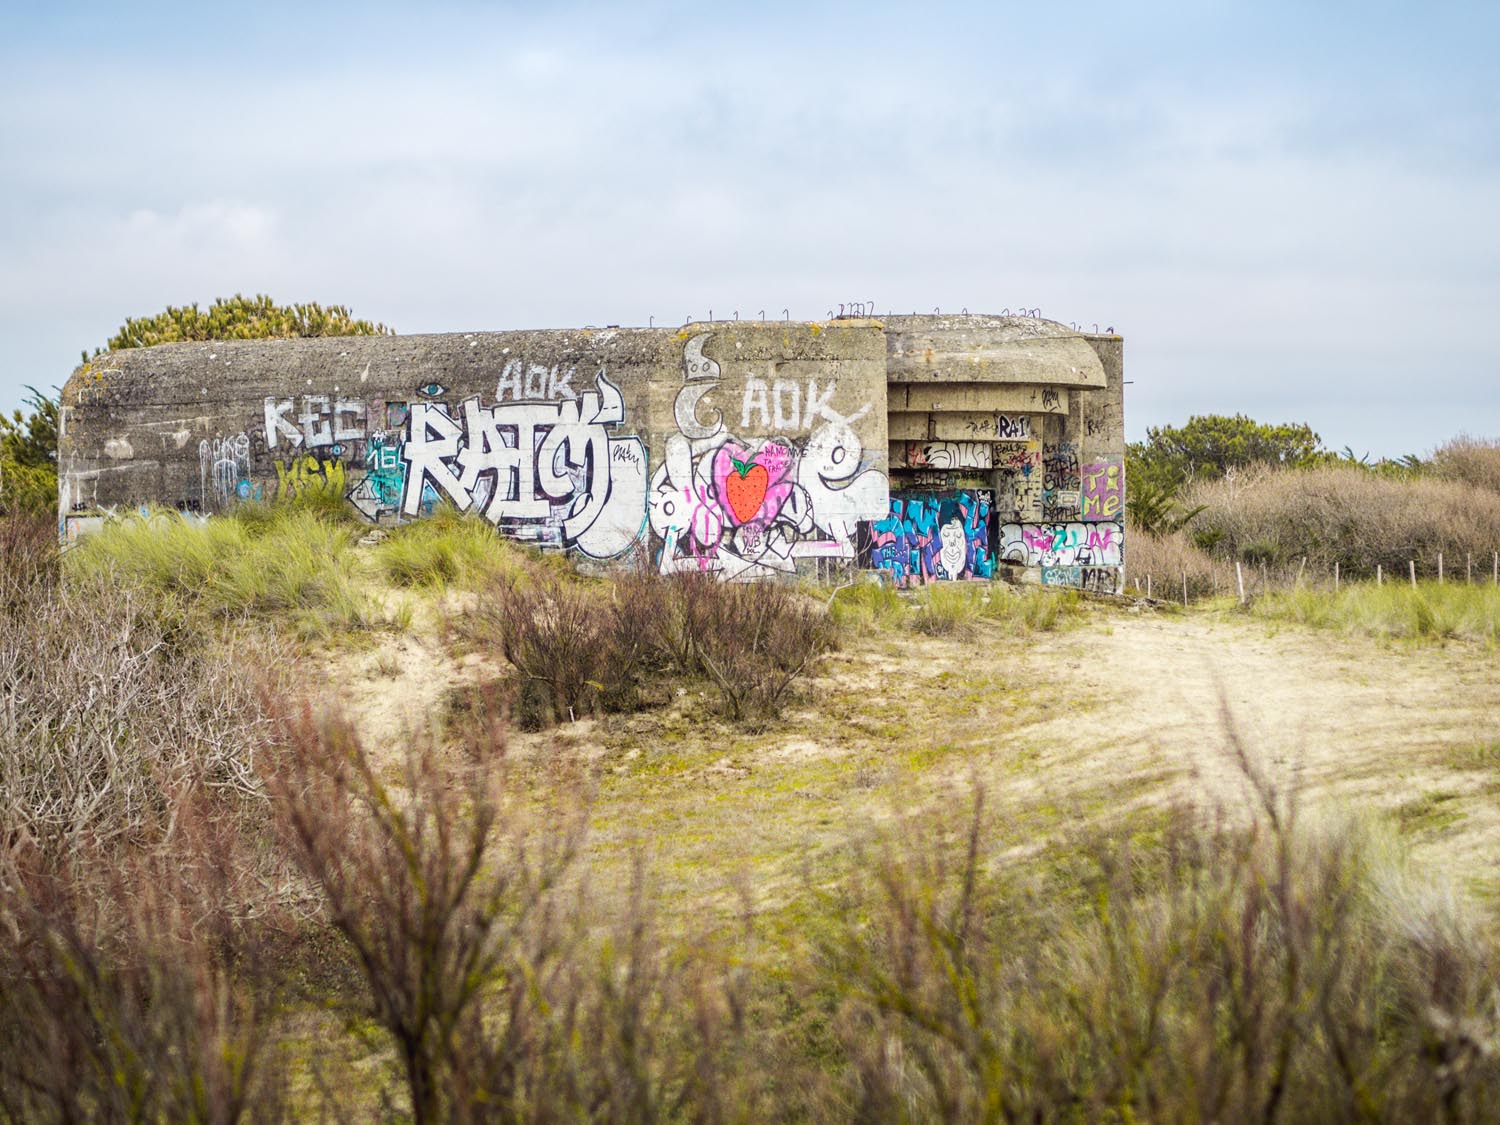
{"points": [[1169, 559], [1469, 460], [1346, 515]]}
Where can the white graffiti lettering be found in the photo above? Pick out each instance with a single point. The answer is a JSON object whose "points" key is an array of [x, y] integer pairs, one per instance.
{"points": [[546, 471]]}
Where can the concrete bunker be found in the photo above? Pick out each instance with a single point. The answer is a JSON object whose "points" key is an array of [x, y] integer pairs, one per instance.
{"points": [[928, 448]]}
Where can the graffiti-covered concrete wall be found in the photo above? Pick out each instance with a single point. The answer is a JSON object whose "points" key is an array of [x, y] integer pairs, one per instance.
{"points": [[1015, 423], [930, 448]]}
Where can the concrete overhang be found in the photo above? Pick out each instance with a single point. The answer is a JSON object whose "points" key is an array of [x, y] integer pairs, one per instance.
{"points": [[990, 349]]}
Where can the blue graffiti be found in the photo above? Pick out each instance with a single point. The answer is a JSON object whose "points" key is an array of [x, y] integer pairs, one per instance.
{"points": [[934, 536]]}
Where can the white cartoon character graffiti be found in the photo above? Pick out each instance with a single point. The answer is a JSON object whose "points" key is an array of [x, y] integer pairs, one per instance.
{"points": [[953, 555]]}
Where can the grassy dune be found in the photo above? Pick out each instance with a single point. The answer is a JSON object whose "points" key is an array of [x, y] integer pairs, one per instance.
{"points": [[941, 876]]}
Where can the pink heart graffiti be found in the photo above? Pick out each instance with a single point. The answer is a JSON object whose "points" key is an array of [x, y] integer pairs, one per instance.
{"points": [[752, 485]]}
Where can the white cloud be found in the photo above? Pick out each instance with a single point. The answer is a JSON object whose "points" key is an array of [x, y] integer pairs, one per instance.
{"points": [[588, 172]]}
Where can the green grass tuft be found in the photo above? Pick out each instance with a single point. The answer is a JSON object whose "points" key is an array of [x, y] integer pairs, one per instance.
{"points": [[295, 565], [443, 549], [1428, 612], [867, 607]]}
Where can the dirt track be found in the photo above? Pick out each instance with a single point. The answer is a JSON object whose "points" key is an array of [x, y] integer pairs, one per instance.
{"points": [[1391, 727], [1122, 711]]}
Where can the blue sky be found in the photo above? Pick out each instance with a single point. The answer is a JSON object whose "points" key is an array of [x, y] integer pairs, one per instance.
{"points": [[1287, 209]]}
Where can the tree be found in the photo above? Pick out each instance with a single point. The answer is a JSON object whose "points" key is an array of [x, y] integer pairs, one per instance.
{"points": [[28, 456], [30, 440], [1206, 448], [240, 318], [1210, 445]]}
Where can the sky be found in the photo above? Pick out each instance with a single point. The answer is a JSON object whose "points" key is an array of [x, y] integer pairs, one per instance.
{"points": [[1288, 210]]}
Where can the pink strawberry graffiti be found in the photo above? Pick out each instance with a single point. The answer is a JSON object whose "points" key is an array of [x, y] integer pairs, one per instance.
{"points": [[752, 485]]}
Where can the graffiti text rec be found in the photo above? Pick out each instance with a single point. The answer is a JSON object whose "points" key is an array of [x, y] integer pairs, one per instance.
{"points": [[547, 470]]}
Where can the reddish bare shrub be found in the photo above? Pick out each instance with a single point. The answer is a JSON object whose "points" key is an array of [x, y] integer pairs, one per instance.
{"points": [[559, 634], [430, 879], [132, 984], [581, 648], [752, 639], [28, 557], [756, 640], [662, 617]]}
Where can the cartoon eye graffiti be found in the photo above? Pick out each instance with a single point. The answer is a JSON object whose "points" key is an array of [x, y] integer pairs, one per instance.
{"points": [[432, 390]]}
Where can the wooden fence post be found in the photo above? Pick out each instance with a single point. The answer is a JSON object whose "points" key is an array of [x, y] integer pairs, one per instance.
{"points": [[1184, 587], [1413, 565], [1379, 577], [1335, 576], [1239, 576], [1440, 568]]}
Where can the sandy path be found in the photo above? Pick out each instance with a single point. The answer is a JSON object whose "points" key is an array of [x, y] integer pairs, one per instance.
{"points": [[1344, 717]]}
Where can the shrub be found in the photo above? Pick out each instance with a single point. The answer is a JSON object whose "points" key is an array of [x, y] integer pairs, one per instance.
{"points": [[580, 648], [1349, 516], [1226, 972], [559, 635], [430, 880], [507, 993], [756, 640], [660, 620], [130, 992], [104, 715], [1469, 460], [28, 558], [1167, 558]]}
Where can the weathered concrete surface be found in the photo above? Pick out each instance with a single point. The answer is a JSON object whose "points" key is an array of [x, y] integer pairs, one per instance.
{"points": [[745, 448], [985, 349]]}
